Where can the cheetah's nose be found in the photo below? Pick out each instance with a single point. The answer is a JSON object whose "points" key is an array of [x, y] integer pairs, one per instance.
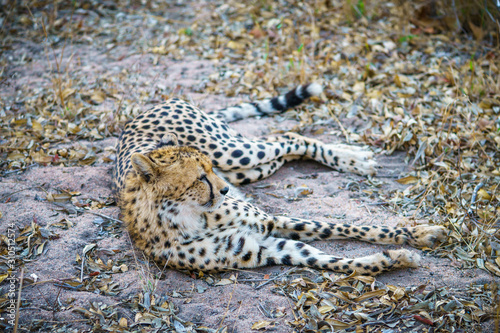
{"points": [[224, 190]]}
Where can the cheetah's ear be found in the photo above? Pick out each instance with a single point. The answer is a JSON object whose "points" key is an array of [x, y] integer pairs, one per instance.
{"points": [[144, 167], [169, 139]]}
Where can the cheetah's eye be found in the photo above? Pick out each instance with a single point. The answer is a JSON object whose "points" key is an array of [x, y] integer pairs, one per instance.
{"points": [[203, 178]]}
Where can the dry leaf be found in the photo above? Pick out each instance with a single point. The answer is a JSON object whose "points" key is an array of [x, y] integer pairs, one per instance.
{"points": [[257, 32], [123, 322], [261, 324], [224, 282], [98, 97], [478, 32], [235, 45], [407, 180], [67, 92]]}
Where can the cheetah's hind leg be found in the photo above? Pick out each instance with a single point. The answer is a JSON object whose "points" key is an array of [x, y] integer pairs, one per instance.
{"points": [[340, 157]]}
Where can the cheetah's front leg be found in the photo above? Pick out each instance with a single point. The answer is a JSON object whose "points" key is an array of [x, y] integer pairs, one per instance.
{"points": [[233, 248], [240, 235], [305, 230], [296, 253]]}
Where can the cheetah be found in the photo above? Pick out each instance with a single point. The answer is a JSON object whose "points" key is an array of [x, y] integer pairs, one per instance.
{"points": [[173, 172]]}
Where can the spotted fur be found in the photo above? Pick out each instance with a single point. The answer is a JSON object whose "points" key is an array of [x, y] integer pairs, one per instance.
{"points": [[178, 211]]}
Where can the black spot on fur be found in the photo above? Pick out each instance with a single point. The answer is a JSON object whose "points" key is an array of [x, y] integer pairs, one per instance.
{"points": [[286, 260], [245, 161], [270, 262], [325, 234], [237, 153], [247, 256], [299, 245], [312, 261], [299, 226]]}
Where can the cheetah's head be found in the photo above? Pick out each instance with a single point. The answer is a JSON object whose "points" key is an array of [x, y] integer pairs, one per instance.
{"points": [[180, 174]]}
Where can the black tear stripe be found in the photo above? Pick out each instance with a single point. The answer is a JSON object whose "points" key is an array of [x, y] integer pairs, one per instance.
{"points": [[212, 196]]}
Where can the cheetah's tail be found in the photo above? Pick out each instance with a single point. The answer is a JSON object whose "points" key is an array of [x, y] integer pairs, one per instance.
{"points": [[269, 106]]}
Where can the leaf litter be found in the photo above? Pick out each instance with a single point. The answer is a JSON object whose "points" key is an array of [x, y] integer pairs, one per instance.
{"points": [[390, 83], [326, 303]]}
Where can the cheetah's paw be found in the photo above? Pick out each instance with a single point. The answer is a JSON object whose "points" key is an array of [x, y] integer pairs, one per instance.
{"points": [[402, 258], [427, 236], [399, 259], [387, 261], [351, 159]]}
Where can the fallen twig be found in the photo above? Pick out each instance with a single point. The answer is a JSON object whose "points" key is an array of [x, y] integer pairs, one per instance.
{"points": [[12, 193], [99, 214], [276, 277], [473, 199]]}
